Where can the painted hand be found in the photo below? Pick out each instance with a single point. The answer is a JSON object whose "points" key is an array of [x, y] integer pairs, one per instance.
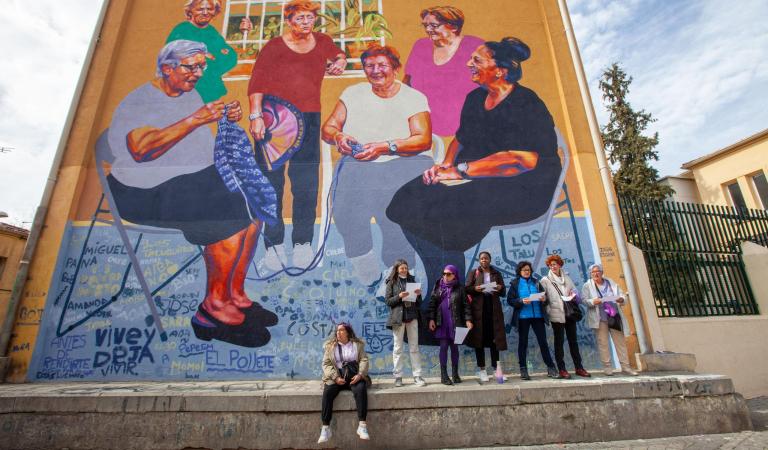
{"points": [[372, 151], [337, 67], [344, 143], [257, 128], [235, 112], [208, 113]]}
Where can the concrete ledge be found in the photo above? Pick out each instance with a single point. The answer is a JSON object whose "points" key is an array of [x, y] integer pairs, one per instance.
{"points": [[667, 362], [286, 415]]}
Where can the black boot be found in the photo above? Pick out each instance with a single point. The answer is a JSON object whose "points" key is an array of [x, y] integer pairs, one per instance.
{"points": [[456, 378], [524, 373], [444, 376]]}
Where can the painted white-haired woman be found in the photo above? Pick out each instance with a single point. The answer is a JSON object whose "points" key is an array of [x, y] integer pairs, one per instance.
{"points": [[604, 299]]}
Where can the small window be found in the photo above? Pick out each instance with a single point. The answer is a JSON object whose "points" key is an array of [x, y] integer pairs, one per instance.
{"points": [[351, 23], [761, 187], [737, 198]]}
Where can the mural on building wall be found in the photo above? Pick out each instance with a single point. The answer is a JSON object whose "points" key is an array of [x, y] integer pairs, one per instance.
{"points": [[200, 280]]}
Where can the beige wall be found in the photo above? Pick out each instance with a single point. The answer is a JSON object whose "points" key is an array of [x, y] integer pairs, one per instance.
{"points": [[735, 346], [685, 189], [11, 248], [737, 165]]}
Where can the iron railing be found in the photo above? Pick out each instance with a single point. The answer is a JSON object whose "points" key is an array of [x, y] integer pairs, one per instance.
{"points": [[693, 254]]}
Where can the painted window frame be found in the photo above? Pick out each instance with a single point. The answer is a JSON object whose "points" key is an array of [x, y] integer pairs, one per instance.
{"points": [[354, 65]]}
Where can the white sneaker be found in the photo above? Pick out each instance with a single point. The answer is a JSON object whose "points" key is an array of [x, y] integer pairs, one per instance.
{"points": [[274, 258], [303, 255], [608, 371], [325, 434], [483, 375], [418, 381], [362, 431]]}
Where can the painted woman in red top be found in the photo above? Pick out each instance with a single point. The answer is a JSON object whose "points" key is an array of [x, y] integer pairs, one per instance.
{"points": [[292, 67]]}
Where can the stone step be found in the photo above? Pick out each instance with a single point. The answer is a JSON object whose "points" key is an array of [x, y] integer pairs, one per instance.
{"points": [[285, 414]]}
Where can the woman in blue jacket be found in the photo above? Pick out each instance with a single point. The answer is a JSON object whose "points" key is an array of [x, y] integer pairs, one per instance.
{"points": [[529, 313]]}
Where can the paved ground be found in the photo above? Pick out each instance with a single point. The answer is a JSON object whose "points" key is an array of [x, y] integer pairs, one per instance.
{"points": [[748, 440]]}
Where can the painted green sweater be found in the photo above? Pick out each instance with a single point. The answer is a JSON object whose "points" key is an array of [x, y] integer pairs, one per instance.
{"points": [[210, 87]]}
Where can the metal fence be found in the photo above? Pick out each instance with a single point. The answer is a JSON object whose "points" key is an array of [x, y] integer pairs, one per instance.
{"points": [[693, 254]]}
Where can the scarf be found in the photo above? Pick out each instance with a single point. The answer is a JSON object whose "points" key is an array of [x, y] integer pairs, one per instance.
{"points": [[234, 160], [447, 286], [558, 281]]}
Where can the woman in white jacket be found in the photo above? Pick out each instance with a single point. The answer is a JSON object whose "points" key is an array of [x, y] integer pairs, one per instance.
{"points": [[559, 288], [604, 299]]}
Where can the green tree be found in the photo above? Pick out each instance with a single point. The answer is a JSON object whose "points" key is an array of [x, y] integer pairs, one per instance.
{"points": [[625, 142]]}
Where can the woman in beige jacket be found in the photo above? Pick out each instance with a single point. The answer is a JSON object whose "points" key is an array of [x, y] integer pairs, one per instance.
{"points": [[604, 299], [342, 349]]}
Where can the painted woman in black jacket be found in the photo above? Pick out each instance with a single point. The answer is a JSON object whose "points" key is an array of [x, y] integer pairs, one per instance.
{"points": [[449, 308], [529, 313]]}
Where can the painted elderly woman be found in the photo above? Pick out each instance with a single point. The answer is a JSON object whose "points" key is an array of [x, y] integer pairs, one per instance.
{"points": [[605, 298], [221, 56], [163, 175], [292, 67], [436, 66], [501, 169], [382, 127]]}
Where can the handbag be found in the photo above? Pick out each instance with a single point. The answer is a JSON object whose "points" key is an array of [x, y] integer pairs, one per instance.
{"points": [[613, 318], [348, 368], [571, 309], [573, 312]]}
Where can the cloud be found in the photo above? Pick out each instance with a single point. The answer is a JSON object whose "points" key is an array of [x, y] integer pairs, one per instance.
{"points": [[44, 43], [696, 65]]}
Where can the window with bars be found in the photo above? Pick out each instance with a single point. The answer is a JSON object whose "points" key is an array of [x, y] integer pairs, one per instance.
{"points": [[351, 23]]}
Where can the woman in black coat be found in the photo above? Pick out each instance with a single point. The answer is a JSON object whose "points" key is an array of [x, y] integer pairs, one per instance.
{"points": [[485, 285]]}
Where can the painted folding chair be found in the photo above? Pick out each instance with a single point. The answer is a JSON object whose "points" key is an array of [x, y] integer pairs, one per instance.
{"points": [[102, 214], [547, 217]]}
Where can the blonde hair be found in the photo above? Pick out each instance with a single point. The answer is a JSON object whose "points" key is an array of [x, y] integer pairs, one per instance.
{"points": [[190, 4], [295, 6]]}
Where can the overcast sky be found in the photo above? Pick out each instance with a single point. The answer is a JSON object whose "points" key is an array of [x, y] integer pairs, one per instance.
{"points": [[699, 66]]}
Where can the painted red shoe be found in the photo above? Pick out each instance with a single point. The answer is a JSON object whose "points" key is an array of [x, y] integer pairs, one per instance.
{"points": [[583, 373], [565, 375]]}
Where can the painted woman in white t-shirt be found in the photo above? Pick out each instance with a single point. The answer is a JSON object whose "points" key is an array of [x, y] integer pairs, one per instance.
{"points": [[384, 131]]}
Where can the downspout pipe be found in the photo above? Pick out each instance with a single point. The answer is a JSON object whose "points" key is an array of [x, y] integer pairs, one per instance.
{"points": [[42, 209], [605, 176]]}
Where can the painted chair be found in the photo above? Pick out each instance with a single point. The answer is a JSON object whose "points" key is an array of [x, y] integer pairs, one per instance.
{"points": [[111, 216], [547, 217]]}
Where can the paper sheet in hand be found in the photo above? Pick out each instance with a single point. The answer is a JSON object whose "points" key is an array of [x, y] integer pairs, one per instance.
{"points": [[610, 298], [411, 288], [488, 287], [461, 334], [536, 296], [453, 182], [568, 298]]}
